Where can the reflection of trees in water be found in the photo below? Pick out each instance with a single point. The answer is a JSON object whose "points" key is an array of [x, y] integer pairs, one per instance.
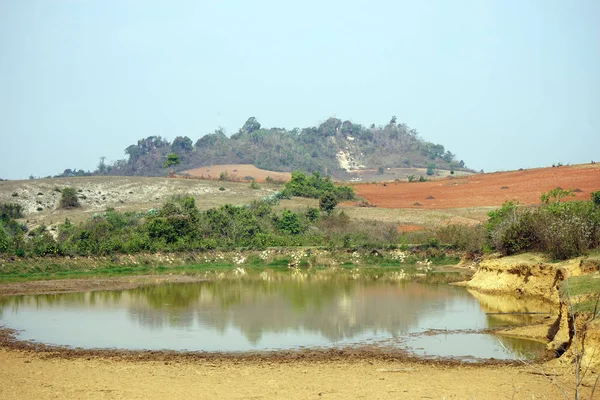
{"points": [[70, 300], [336, 309]]}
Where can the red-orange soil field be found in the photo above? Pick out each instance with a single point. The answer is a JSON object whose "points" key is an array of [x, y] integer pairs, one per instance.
{"points": [[237, 172], [491, 189]]}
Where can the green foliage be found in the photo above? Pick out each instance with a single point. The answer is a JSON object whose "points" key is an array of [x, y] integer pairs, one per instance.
{"points": [[430, 169], [411, 178], [312, 214], [463, 237], [69, 198], [327, 202], [596, 197], [421, 179], [289, 223], [172, 160], [556, 195], [4, 240], [315, 186], [182, 144], [254, 185], [562, 230], [10, 211], [224, 176]]}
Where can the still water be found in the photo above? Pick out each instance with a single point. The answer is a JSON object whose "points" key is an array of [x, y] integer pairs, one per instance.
{"points": [[264, 314]]}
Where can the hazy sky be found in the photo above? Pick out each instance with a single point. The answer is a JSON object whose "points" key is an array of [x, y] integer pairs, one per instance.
{"points": [[503, 84]]}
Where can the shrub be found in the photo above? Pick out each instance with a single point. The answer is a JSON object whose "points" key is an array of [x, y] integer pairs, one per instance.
{"points": [[69, 198], [254, 185], [221, 188], [289, 222], [430, 169], [10, 211], [224, 176], [312, 214], [421, 179], [463, 237], [596, 198], [561, 230], [411, 178], [327, 202], [4, 240], [315, 185]]}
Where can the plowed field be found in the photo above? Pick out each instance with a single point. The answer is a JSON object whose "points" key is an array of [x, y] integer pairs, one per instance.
{"points": [[491, 189]]}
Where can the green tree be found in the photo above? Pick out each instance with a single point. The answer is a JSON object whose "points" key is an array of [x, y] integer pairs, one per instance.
{"points": [[172, 160], [430, 169], [327, 202], [182, 143], [250, 125], [289, 222]]}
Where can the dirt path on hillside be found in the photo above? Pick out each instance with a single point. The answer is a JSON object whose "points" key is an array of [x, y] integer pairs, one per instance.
{"points": [[483, 189], [28, 375]]}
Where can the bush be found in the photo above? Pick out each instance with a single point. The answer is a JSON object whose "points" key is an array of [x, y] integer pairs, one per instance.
{"points": [[327, 202], [289, 222], [430, 169], [463, 237], [69, 198], [315, 186], [254, 185], [4, 240], [10, 211], [596, 198], [561, 230]]}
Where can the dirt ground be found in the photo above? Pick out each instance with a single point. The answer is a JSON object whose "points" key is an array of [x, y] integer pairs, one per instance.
{"points": [[30, 375], [237, 171], [491, 189]]}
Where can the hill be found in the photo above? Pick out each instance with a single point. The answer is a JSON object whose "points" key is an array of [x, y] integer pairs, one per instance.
{"points": [[337, 148]]}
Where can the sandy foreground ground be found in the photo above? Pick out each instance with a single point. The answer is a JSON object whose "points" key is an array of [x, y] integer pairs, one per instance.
{"points": [[31, 375]]}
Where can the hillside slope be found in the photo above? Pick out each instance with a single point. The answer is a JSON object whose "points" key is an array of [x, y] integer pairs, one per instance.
{"points": [[490, 189]]}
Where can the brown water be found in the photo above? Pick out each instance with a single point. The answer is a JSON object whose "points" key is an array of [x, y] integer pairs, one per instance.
{"points": [[263, 314]]}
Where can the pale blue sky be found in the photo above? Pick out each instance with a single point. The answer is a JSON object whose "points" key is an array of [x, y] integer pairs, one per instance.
{"points": [[503, 84]]}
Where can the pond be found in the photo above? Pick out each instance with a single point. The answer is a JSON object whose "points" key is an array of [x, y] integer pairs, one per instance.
{"points": [[268, 313]]}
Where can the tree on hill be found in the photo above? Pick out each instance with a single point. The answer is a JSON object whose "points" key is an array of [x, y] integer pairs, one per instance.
{"points": [[172, 160], [182, 144]]}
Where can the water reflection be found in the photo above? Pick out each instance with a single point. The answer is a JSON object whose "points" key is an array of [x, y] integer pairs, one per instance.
{"points": [[240, 315]]}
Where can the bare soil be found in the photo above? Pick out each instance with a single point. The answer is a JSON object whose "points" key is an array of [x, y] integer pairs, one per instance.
{"points": [[237, 172], [34, 375], [479, 190]]}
